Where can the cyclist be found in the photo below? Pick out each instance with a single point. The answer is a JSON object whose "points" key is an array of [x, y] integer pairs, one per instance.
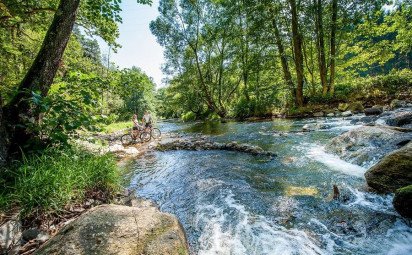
{"points": [[136, 126], [147, 120]]}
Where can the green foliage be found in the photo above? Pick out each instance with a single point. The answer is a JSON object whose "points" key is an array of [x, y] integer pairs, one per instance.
{"points": [[69, 106], [47, 182], [189, 116]]}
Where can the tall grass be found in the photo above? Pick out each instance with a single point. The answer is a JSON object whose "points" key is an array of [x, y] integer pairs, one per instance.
{"points": [[47, 182]]}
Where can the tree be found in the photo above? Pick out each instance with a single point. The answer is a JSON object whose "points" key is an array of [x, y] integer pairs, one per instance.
{"points": [[18, 112], [297, 47]]}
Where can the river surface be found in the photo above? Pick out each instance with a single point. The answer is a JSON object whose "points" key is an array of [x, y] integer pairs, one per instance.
{"points": [[235, 203]]}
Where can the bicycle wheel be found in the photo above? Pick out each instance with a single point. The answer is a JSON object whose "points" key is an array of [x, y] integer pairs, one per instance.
{"points": [[145, 137], [127, 139], [155, 133]]}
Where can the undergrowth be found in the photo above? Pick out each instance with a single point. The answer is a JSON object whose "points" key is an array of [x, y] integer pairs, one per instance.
{"points": [[47, 182]]}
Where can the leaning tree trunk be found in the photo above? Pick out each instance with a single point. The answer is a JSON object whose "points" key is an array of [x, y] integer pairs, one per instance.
{"points": [[41, 73], [297, 47]]}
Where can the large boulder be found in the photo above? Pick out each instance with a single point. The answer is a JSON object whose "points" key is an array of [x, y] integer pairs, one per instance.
{"points": [[367, 144], [399, 119], [392, 172], [116, 229], [403, 201]]}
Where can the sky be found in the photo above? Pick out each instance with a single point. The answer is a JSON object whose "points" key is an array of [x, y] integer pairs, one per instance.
{"points": [[139, 46]]}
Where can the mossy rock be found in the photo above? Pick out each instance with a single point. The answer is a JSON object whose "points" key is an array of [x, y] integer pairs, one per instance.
{"points": [[403, 201], [356, 107], [392, 172], [343, 107]]}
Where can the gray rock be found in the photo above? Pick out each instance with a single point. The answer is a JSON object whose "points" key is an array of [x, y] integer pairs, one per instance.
{"points": [[347, 114], [30, 234], [318, 114], [399, 119], [373, 111], [330, 114], [367, 144]]}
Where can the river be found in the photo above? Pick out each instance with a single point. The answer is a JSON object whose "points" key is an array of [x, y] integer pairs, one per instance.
{"points": [[235, 203]]}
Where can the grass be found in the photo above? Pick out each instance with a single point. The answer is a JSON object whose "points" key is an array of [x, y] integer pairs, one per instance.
{"points": [[116, 126], [46, 183]]}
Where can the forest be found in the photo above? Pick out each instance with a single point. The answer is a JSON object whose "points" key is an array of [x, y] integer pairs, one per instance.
{"points": [[225, 61], [254, 58]]}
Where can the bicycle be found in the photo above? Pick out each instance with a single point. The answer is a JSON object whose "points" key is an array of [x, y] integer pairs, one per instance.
{"points": [[132, 136], [154, 132]]}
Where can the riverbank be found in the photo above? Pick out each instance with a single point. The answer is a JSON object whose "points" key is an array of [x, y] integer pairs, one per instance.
{"points": [[53, 191]]}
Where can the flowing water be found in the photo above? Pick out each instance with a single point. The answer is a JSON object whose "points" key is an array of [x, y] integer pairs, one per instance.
{"points": [[235, 203]]}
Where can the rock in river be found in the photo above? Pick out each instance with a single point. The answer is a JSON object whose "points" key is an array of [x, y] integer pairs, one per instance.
{"points": [[373, 111], [116, 229], [399, 119], [392, 172], [347, 114], [403, 201], [368, 143]]}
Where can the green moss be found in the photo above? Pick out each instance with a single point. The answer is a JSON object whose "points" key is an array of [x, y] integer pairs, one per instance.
{"points": [[403, 201]]}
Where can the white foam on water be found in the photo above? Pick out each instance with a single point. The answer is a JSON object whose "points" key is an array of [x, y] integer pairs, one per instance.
{"points": [[334, 162], [248, 234], [372, 201], [402, 236]]}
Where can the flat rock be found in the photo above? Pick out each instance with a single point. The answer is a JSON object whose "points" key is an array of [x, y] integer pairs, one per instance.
{"points": [[116, 229]]}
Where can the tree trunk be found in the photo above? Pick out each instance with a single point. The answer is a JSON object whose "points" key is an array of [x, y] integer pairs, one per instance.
{"points": [[3, 137], [321, 47], [41, 73], [283, 60], [333, 47], [297, 46]]}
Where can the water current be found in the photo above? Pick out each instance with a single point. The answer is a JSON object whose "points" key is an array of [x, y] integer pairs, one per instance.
{"points": [[235, 203]]}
